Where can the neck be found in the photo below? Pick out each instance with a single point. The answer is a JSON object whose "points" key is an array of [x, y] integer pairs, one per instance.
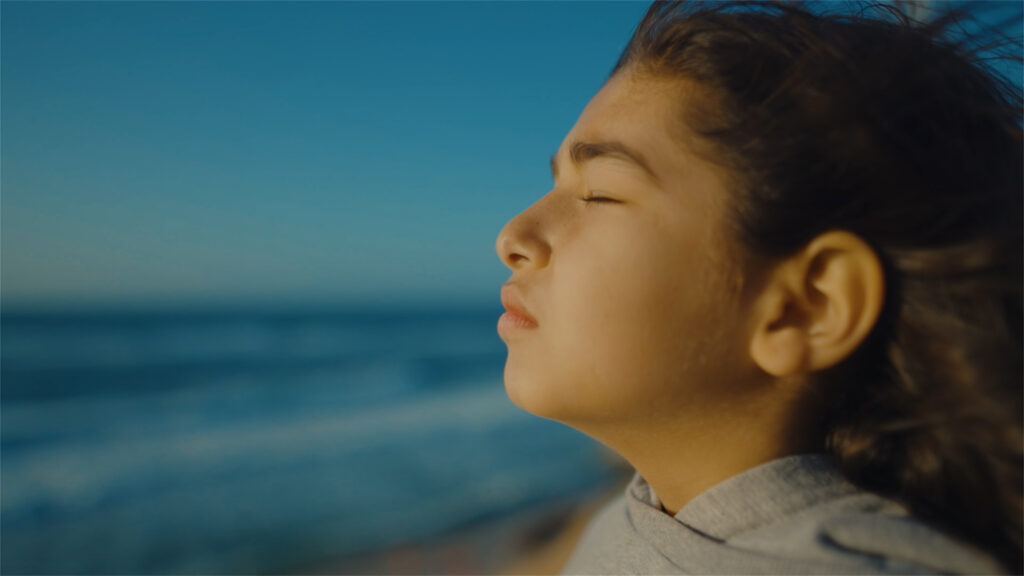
{"points": [[682, 458]]}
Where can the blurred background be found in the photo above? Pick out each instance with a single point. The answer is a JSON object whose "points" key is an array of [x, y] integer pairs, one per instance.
{"points": [[249, 287]]}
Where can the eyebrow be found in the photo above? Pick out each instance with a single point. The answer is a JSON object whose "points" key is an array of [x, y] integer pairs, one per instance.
{"points": [[580, 152]]}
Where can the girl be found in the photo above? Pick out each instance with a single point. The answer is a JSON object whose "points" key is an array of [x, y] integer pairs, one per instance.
{"points": [[780, 273]]}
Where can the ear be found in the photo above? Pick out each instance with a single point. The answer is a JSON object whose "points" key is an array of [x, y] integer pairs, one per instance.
{"points": [[817, 306]]}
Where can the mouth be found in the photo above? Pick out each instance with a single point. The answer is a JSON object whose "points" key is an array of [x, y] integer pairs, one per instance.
{"points": [[516, 317]]}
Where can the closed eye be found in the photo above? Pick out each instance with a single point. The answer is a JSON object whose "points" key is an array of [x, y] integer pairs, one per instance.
{"points": [[593, 198]]}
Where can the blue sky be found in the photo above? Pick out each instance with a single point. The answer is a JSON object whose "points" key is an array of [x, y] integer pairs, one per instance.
{"points": [[282, 152], [325, 151]]}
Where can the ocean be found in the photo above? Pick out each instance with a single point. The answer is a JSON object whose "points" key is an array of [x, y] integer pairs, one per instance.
{"points": [[253, 441]]}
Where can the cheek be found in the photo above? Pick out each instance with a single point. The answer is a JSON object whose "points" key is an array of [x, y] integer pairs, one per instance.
{"points": [[633, 320], [632, 328], [601, 304]]}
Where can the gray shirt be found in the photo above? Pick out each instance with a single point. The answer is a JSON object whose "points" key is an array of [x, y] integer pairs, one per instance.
{"points": [[795, 515]]}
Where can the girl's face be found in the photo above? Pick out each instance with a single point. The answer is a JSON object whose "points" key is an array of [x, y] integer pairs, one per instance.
{"points": [[635, 293]]}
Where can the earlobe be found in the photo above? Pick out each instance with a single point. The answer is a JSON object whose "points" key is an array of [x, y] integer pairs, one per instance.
{"points": [[779, 343], [818, 306], [782, 353]]}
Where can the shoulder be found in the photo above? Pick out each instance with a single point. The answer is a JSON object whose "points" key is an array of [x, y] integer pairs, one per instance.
{"points": [[863, 533], [795, 516]]}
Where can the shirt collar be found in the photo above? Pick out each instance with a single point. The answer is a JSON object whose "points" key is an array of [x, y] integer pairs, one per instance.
{"points": [[757, 496]]}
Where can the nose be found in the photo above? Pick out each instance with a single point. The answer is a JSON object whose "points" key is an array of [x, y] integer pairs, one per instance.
{"points": [[520, 243]]}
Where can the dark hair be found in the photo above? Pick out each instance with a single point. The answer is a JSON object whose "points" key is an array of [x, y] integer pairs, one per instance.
{"points": [[898, 132]]}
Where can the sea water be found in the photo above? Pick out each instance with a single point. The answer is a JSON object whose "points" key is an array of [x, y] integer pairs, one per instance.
{"points": [[242, 441]]}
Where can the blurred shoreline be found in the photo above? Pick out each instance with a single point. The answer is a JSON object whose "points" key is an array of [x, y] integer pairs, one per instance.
{"points": [[536, 540]]}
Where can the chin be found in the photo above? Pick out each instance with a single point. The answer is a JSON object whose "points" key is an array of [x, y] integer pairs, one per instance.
{"points": [[528, 391], [518, 388], [537, 395]]}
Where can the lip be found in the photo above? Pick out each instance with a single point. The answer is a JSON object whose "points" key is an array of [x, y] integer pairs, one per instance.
{"points": [[516, 316]]}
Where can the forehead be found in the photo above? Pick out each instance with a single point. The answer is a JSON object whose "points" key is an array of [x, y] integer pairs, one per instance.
{"points": [[640, 112]]}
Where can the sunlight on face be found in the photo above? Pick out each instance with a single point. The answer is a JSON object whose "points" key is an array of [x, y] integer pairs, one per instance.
{"points": [[636, 315]]}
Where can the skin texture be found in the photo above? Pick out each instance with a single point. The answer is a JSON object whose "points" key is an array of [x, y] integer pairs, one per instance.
{"points": [[646, 336]]}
